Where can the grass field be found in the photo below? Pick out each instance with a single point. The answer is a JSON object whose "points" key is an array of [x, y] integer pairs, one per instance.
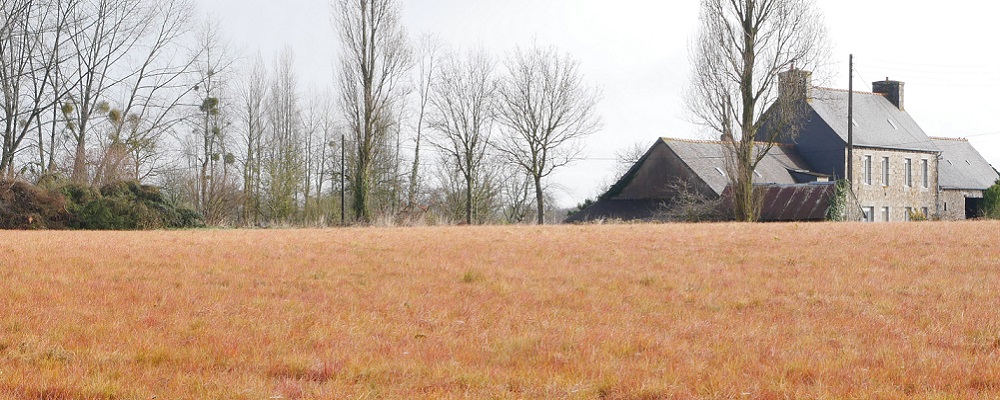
{"points": [[582, 312]]}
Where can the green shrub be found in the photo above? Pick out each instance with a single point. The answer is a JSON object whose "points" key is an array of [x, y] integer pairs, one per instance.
{"points": [[126, 205], [991, 202]]}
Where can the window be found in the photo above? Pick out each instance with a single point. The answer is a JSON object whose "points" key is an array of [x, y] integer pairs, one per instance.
{"points": [[906, 213], [869, 214], [924, 211], [868, 170], [885, 171], [885, 214], [907, 172], [924, 172], [719, 170], [893, 125]]}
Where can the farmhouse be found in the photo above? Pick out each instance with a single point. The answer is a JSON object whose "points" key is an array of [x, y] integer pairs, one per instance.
{"points": [[899, 172]]}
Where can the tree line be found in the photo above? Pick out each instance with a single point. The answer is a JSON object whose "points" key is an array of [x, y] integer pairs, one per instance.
{"points": [[103, 91]]}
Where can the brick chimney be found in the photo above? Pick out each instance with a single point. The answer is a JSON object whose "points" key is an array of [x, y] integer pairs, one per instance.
{"points": [[892, 90], [796, 83]]}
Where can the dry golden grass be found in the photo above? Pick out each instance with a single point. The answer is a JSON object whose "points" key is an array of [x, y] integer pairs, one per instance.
{"points": [[621, 312]]}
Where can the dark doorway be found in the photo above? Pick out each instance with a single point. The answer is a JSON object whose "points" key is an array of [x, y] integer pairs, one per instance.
{"points": [[973, 208]]}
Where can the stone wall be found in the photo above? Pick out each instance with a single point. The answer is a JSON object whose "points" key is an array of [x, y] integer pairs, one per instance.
{"points": [[877, 193]]}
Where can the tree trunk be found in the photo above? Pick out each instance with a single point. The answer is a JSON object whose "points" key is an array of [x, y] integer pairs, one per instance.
{"points": [[80, 160], [539, 200], [468, 200]]}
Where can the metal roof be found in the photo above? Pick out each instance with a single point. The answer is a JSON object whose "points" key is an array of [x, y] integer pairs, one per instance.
{"points": [[877, 122], [799, 202], [962, 167]]}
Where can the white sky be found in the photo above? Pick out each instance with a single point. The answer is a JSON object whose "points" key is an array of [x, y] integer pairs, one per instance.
{"points": [[636, 52]]}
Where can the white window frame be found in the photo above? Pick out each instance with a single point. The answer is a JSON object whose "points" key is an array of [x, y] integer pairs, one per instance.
{"points": [[925, 170], [885, 214], [885, 171], [908, 172], [926, 212], [906, 213], [867, 170]]}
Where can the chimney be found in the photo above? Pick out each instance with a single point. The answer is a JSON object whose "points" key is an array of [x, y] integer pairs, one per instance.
{"points": [[892, 90], [796, 83]]}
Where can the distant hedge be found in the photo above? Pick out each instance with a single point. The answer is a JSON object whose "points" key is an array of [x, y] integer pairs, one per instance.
{"points": [[116, 206]]}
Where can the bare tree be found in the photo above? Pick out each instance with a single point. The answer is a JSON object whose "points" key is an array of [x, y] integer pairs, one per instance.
{"points": [[463, 102], [155, 91], [253, 93], [741, 48], [428, 54], [545, 109], [210, 145], [321, 151], [375, 59], [103, 34], [283, 164], [32, 35]]}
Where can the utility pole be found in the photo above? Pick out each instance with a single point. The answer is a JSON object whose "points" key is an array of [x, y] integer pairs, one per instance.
{"points": [[343, 180], [850, 125]]}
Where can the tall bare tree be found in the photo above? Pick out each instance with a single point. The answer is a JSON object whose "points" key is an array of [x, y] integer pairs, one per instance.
{"points": [[210, 145], [156, 86], [463, 103], [428, 55], [103, 34], [375, 59], [283, 164], [741, 48], [253, 93], [32, 40], [545, 108]]}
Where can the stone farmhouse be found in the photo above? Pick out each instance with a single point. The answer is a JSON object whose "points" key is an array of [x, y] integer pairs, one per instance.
{"points": [[899, 172]]}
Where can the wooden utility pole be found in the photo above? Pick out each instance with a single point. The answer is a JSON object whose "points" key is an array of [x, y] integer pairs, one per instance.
{"points": [[850, 125], [343, 168]]}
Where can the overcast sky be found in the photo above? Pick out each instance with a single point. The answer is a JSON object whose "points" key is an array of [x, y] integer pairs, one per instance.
{"points": [[636, 52]]}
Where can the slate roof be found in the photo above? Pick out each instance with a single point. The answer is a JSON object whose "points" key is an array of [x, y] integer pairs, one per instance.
{"points": [[708, 160], [962, 167], [879, 123]]}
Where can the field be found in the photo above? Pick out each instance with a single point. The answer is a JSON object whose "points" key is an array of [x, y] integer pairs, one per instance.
{"points": [[580, 312]]}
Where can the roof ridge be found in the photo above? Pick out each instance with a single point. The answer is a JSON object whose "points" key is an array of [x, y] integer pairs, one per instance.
{"points": [[958, 139], [707, 141], [845, 91]]}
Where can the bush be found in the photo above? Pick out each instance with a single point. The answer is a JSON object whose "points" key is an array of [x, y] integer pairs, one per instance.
{"points": [[128, 206], [23, 206], [991, 202], [116, 206]]}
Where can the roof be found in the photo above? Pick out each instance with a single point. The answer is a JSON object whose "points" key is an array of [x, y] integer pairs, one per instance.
{"points": [[707, 159], [962, 167], [878, 123], [799, 202]]}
